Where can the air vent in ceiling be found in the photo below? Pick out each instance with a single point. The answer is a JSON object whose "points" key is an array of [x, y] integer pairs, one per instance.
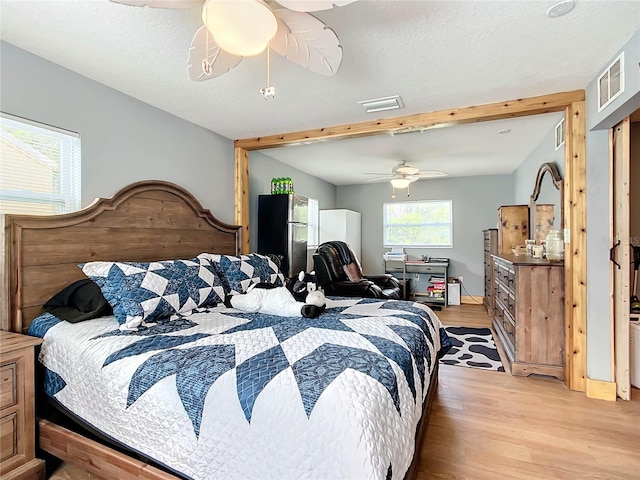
{"points": [[611, 83], [379, 104]]}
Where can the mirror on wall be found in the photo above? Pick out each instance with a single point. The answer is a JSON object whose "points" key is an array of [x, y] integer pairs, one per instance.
{"points": [[546, 202]]}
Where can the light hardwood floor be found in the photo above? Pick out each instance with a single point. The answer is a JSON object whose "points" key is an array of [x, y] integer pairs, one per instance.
{"points": [[491, 425]]}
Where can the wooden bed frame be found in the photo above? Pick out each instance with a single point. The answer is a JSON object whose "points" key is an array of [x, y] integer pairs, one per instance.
{"points": [[149, 220]]}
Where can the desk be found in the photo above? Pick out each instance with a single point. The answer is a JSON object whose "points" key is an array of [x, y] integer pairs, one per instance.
{"points": [[433, 269]]}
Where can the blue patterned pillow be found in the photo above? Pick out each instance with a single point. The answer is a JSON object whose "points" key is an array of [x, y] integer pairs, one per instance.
{"points": [[146, 291], [238, 273]]}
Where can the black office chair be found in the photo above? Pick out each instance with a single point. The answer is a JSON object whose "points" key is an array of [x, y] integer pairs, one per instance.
{"points": [[339, 273]]}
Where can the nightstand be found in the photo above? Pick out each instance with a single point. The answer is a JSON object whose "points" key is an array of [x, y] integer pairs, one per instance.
{"points": [[17, 416]]}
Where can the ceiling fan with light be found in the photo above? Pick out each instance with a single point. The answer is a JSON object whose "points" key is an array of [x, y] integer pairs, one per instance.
{"points": [[233, 29], [403, 175]]}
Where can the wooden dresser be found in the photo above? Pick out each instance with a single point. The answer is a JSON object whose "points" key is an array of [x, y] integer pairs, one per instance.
{"points": [[490, 248], [17, 416], [529, 313]]}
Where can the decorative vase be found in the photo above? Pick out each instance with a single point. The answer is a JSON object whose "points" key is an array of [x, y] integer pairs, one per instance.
{"points": [[555, 246]]}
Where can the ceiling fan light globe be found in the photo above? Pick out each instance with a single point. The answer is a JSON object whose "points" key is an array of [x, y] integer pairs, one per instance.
{"points": [[400, 182], [240, 27]]}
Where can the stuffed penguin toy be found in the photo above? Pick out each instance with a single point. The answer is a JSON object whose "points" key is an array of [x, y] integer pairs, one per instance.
{"points": [[271, 300]]}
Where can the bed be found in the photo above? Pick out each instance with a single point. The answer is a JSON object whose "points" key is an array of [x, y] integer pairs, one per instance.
{"points": [[214, 392]]}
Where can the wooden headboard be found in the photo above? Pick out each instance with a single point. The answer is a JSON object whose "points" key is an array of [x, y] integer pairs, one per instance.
{"points": [[149, 220]]}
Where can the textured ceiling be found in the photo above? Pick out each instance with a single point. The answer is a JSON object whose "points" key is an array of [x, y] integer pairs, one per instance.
{"points": [[435, 54]]}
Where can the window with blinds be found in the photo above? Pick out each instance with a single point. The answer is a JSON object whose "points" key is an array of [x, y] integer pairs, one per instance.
{"points": [[39, 168]]}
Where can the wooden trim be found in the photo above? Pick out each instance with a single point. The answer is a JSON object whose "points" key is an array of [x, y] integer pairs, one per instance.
{"points": [[241, 172], [621, 280], [93, 457], [32, 470], [575, 261], [601, 390], [521, 107], [149, 220], [472, 299]]}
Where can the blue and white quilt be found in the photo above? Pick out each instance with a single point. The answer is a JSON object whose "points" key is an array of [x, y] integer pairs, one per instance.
{"points": [[222, 394]]}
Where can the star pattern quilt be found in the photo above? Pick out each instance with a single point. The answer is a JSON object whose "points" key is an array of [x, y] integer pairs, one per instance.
{"points": [[224, 394]]}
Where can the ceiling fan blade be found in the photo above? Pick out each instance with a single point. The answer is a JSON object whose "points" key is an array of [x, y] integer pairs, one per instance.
{"points": [[379, 179], [161, 3], [312, 5], [206, 59], [430, 174], [307, 41]]}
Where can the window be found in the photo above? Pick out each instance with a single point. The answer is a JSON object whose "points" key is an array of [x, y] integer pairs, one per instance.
{"points": [[312, 223], [39, 168], [426, 223]]}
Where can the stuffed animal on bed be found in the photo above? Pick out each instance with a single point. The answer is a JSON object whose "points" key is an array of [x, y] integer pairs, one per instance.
{"points": [[302, 300], [304, 288]]}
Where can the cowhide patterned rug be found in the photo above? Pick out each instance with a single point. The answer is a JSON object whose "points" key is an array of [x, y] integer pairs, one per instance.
{"points": [[472, 347]]}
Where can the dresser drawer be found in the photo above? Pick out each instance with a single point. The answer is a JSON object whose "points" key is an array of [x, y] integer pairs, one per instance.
{"points": [[8, 436], [424, 269], [510, 330], [8, 385]]}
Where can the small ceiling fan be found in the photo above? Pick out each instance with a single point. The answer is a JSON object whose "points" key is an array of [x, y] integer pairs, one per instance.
{"points": [[233, 29], [405, 174]]}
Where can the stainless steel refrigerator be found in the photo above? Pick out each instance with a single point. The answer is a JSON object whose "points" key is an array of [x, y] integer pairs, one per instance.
{"points": [[282, 230]]}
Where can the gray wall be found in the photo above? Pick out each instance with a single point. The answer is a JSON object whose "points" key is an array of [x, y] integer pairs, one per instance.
{"points": [[525, 176], [123, 140], [598, 218], [262, 169], [475, 206]]}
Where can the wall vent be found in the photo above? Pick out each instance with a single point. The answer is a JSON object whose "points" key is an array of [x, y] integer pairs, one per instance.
{"points": [[611, 83], [560, 134], [380, 104]]}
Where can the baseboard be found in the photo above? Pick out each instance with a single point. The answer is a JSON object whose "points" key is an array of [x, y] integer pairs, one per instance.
{"points": [[471, 299], [601, 390]]}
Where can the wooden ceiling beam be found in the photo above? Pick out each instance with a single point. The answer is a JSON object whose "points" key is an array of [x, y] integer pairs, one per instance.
{"points": [[556, 102]]}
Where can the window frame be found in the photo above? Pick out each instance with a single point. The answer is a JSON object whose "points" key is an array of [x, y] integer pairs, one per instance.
{"points": [[386, 205], [69, 197]]}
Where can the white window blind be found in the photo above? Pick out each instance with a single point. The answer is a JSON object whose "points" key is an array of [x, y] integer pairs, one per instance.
{"points": [[39, 168], [426, 223]]}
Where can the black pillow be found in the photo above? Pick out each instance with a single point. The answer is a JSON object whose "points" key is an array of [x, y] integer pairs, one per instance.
{"points": [[82, 300]]}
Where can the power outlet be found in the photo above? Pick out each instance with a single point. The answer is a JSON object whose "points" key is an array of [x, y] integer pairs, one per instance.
{"points": [[460, 278]]}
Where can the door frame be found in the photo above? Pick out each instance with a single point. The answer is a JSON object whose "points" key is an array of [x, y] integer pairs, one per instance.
{"points": [[620, 161], [572, 103]]}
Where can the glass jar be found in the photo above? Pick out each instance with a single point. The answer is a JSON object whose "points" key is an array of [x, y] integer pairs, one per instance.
{"points": [[555, 246]]}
